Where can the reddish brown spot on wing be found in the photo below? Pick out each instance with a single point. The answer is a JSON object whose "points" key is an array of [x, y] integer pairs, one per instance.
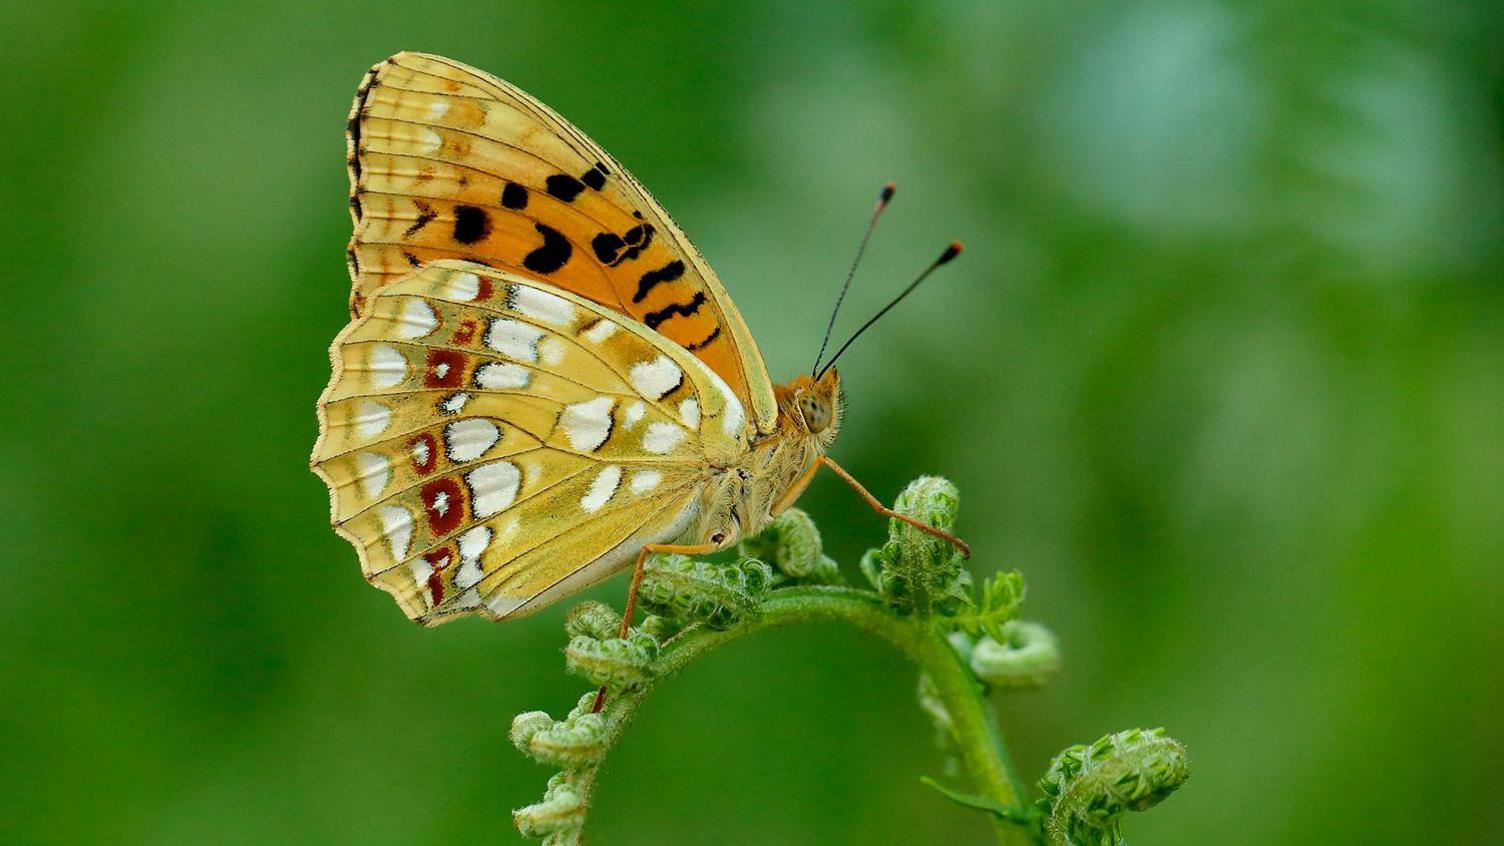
{"points": [[446, 369], [439, 560], [424, 449], [444, 503], [464, 334]]}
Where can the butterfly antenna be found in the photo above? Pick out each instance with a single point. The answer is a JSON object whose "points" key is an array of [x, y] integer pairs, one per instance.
{"points": [[882, 203], [950, 252]]}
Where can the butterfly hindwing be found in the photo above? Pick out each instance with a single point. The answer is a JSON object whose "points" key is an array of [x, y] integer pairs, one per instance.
{"points": [[491, 441], [447, 161]]}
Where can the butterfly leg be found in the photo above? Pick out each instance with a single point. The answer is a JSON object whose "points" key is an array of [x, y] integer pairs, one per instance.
{"points": [[642, 560], [890, 513]]}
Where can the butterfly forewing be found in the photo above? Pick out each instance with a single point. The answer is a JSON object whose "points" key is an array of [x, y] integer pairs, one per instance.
{"points": [[491, 441], [450, 162]]}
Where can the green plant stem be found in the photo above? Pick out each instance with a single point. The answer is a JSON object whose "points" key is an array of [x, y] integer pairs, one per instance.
{"points": [[981, 748]]}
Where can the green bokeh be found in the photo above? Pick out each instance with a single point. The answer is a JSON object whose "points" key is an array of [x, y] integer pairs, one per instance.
{"points": [[1222, 370]]}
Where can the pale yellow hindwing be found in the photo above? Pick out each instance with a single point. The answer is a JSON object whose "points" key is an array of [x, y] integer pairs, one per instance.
{"points": [[447, 161], [492, 443]]}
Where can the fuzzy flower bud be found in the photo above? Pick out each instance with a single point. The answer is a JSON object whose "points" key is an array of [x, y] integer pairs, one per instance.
{"points": [[592, 619], [1088, 788], [688, 591], [1028, 657], [612, 662], [559, 818], [914, 571], [524, 726], [792, 544], [660, 628], [576, 742]]}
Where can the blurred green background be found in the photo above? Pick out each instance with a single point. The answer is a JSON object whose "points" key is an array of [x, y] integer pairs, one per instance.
{"points": [[1222, 371]]}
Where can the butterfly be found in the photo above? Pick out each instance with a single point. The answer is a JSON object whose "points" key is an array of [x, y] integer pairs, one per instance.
{"points": [[542, 380]]}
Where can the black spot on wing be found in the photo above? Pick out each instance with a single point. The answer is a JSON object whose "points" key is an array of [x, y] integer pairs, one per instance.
{"points": [[606, 246], [554, 253], [654, 318], [700, 345], [514, 196], [640, 237], [564, 187], [470, 224], [609, 246], [667, 273], [411, 259], [595, 177]]}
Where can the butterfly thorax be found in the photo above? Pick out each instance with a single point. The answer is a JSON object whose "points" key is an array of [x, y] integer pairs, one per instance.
{"points": [[746, 495]]}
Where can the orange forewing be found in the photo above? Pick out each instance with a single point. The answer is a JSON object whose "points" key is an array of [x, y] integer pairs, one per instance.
{"points": [[449, 162]]}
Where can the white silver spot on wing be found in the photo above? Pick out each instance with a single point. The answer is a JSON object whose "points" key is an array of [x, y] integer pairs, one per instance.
{"points": [[440, 502], [645, 480], [371, 418], [421, 571], [514, 339], [387, 366], [661, 438], [541, 305], [461, 286], [454, 403], [467, 440], [602, 487], [551, 350], [653, 379], [416, 320], [373, 470], [493, 487], [689, 412], [472, 545], [397, 528], [502, 375], [599, 331], [633, 414], [587, 424]]}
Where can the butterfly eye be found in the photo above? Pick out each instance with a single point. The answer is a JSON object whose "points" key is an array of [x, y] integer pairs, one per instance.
{"points": [[816, 414]]}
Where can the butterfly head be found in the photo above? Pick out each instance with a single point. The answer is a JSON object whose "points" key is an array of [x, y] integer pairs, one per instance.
{"points": [[812, 405]]}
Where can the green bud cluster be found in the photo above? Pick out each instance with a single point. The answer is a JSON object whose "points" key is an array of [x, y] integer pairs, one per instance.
{"points": [[916, 572], [559, 818], [1089, 788], [791, 543], [616, 663], [687, 591], [924, 591], [578, 740], [592, 619], [1027, 657]]}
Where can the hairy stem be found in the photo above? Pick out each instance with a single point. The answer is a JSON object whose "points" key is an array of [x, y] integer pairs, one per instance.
{"points": [[981, 748]]}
